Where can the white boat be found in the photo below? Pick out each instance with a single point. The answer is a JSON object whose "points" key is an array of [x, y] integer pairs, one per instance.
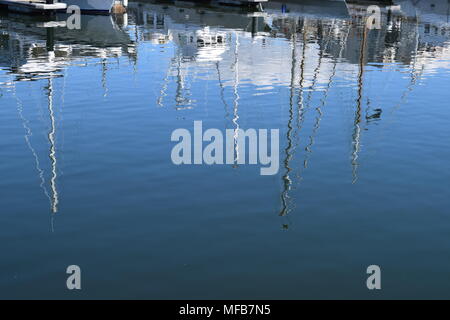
{"points": [[92, 6]]}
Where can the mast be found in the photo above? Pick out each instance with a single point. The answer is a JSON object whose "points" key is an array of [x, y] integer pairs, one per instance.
{"points": [[52, 155], [52, 133], [323, 101], [52, 139], [236, 100], [287, 182], [356, 136]]}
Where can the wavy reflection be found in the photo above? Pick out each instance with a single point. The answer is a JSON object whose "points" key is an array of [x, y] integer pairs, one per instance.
{"points": [[286, 202], [324, 99], [314, 51], [285, 206], [28, 135], [356, 136], [52, 155], [236, 101]]}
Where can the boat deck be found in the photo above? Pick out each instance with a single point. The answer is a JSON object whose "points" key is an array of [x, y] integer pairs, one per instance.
{"points": [[31, 6]]}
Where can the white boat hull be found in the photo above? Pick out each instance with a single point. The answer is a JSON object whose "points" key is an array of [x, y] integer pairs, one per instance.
{"points": [[94, 6]]}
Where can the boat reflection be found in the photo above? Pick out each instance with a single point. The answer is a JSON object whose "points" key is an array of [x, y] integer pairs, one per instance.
{"points": [[34, 48], [27, 41]]}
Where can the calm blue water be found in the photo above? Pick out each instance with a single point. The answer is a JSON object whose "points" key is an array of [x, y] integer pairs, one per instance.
{"points": [[87, 178]]}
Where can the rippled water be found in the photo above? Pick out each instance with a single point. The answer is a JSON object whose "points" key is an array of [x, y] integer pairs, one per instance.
{"points": [[87, 178]]}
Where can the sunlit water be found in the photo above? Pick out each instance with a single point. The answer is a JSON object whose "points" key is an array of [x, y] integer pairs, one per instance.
{"points": [[87, 178]]}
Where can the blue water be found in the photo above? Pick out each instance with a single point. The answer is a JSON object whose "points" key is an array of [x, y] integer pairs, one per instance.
{"points": [[87, 178]]}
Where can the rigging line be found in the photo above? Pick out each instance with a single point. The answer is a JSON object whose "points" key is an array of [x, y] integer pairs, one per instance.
{"points": [[222, 92], [27, 137], [302, 80], [323, 102], [287, 181], [317, 69], [316, 75], [313, 84], [415, 76], [300, 103], [413, 72], [291, 133]]}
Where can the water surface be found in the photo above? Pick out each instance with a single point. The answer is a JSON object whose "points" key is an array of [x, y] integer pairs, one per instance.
{"points": [[87, 179]]}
